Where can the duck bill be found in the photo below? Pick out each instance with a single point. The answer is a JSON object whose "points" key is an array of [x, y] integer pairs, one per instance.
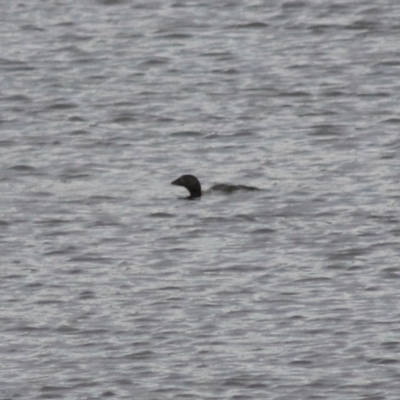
{"points": [[177, 182]]}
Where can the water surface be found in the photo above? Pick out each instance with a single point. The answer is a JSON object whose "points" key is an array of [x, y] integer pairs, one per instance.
{"points": [[111, 286]]}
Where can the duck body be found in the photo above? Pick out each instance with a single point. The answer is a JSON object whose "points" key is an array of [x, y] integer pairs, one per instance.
{"points": [[228, 188]]}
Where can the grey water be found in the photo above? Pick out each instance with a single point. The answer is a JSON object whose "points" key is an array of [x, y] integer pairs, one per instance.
{"points": [[112, 286]]}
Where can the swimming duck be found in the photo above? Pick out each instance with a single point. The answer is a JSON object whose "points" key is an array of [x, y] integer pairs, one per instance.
{"points": [[192, 184]]}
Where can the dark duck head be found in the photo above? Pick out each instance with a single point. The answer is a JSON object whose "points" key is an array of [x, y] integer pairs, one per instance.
{"points": [[191, 183]]}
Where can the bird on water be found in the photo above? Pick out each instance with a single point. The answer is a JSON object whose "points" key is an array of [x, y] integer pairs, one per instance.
{"points": [[192, 184]]}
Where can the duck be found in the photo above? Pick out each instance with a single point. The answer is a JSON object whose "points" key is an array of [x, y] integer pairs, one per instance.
{"points": [[192, 184]]}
